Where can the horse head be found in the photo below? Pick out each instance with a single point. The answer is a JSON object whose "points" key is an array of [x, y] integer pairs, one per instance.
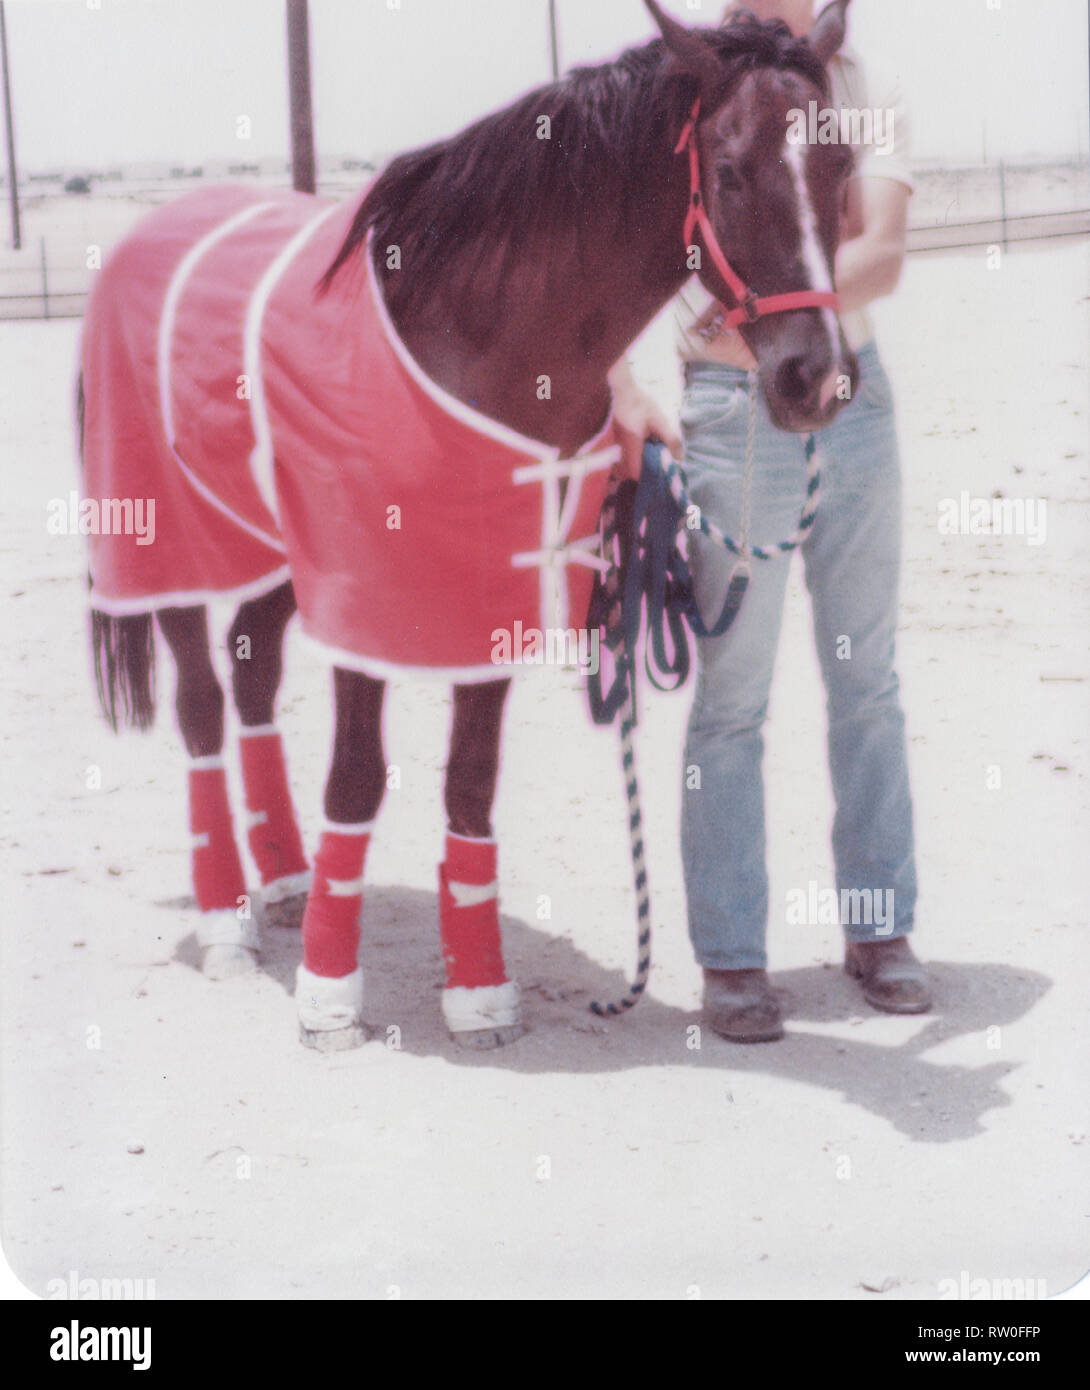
{"points": [[773, 205]]}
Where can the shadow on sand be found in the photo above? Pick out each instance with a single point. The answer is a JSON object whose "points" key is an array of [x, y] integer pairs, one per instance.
{"points": [[927, 1100]]}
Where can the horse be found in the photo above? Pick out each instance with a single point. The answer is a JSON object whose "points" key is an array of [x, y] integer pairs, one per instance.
{"points": [[395, 416]]}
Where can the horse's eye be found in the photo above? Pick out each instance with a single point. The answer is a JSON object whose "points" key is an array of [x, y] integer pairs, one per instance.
{"points": [[729, 181]]}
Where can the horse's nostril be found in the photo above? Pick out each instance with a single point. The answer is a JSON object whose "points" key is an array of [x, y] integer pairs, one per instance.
{"points": [[794, 379]]}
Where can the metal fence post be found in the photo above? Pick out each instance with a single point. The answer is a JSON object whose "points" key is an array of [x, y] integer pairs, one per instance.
{"points": [[303, 175], [16, 232]]}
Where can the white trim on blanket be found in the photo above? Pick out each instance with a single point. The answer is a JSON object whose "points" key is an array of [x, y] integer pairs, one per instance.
{"points": [[456, 409], [261, 460], [189, 598], [164, 364], [381, 670]]}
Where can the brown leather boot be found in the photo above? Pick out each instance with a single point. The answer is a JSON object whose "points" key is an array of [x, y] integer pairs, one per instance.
{"points": [[739, 1005], [893, 979]]}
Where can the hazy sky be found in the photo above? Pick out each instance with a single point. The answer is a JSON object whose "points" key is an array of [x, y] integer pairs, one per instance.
{"points": [[100, 82]]}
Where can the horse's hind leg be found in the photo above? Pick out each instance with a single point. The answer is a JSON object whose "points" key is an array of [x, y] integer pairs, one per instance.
{"points": [[329, 983], [480, 1004], [256, 644], [228, 941]]}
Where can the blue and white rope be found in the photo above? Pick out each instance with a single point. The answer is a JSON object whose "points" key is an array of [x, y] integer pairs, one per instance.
{"points": [[676, 482], [639, 869], [675, 478]]}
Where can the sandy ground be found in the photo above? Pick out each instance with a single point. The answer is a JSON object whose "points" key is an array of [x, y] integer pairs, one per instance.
{"points": [[157, 1126]]}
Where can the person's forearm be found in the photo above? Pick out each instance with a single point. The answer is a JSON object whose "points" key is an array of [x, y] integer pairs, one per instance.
{"points": [[620, 377], [867, 269], [629, 397], [636, 418]]}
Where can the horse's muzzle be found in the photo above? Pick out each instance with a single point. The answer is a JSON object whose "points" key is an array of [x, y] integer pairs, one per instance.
{"points": [[805, 392]]}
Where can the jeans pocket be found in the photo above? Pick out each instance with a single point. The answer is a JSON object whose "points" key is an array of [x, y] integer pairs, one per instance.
{"points": [[706, 406]]}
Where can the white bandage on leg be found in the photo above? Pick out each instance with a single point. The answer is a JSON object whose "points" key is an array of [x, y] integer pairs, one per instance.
{"points": [[486, 1006], [325, 1003], [287, 887], [224, 927]]}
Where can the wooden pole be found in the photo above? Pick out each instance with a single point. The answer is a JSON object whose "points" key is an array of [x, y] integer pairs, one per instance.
{"points": [[302, 118], [553, 46], [16, 231]]}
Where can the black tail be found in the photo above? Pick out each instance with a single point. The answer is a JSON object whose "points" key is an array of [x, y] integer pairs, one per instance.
{"points": [[124, 652], [123, 649]]}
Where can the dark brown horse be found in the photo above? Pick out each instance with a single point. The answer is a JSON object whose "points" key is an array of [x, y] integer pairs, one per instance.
{"points": [[537, 244]]}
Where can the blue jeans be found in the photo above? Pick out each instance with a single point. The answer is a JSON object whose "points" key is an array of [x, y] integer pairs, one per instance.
{"points": [[852, 563]]}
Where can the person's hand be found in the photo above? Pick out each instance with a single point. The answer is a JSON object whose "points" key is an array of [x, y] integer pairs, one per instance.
{"points": [[638, 417], [730, 348]]}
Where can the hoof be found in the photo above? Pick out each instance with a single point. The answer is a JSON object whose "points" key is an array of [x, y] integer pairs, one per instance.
{"points": [[483, 1016], [287, 914], [284, 900], [224, 962], [334, 1039], [330, 1010], [229, 944], [485, 1039]]}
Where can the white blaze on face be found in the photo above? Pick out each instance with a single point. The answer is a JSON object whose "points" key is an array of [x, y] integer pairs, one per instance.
{"points": [[813, 257]]}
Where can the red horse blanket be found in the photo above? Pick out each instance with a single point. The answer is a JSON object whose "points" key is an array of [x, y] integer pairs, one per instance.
{"points": [[276, 433]]}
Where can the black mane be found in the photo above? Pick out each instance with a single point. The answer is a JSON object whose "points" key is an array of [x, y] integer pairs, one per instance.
{"points": [[496, 182]]}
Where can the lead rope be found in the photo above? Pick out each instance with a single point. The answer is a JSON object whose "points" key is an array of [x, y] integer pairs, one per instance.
{"points": [[639, 870], [742, 567], [675, 479], [628, 759], [626, 666]]}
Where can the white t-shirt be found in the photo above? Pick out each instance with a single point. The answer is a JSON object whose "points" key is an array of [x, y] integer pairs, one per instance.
{"points": [[884, 156]]}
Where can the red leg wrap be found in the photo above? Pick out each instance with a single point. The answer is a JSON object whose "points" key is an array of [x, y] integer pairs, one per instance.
{"points": [[274, 836], [218, 880], [331, 923], [470, 930]]}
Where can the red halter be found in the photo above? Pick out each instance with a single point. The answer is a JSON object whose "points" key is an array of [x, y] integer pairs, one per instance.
{"points": [[750, 307]]}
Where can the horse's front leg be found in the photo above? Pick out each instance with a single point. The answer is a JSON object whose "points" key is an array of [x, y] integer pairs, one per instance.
{"points": [[329, 983], [256, 643], [480, 1004]]}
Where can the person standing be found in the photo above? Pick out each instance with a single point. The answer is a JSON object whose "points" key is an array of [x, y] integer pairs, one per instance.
{"points": [[852, 566]]}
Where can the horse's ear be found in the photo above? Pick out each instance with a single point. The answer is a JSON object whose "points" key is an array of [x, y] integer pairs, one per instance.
{"points": [[693, 54], [829, 30]]}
